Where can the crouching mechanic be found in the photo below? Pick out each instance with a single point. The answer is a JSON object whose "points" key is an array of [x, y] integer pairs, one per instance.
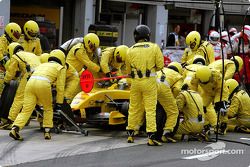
{"points": [[38, 90], [211, 91], [190, 104], [112, 59], [189, 72], [143, 60], [239, 110], [21, 63]]}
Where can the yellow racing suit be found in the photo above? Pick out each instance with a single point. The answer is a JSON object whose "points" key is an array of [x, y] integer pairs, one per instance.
{"points": [[38, 90], [187, 56], [168, 102], [3, 46], [80, 59], [31, 45], [108, 63], [239, 111], [72, 82], [210, 94], [207, 51], [229, 68], [142, 57], [190, 104], [173, 78], [19, 63], [189, 72], [3, 50]]}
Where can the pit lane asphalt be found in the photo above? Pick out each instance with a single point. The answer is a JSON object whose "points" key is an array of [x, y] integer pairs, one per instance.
{"points": [[105, 148]]}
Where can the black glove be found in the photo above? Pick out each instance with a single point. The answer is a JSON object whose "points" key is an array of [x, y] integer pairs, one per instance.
{"points": [[184, 87], [6, 84], [85, 67], [221, 107], [111, 75], [58, 106], [66, 100], [108, 74]]}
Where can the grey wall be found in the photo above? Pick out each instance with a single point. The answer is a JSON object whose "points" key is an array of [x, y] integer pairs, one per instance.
{"points": [[84, 16], [4, 14], [157, 19], [68, 29], [206, 20], [130, 23], [79, 18]]}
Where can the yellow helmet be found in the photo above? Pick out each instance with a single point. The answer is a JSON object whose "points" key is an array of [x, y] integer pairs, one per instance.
{"points": [[231, 84], [56, 55], [13, 48], [13, 30], [91, 42], [31, 29], [44, 57], [203, 74], [198, 59], [193, 40], [175, 66], [238, 62], [120, 53]]}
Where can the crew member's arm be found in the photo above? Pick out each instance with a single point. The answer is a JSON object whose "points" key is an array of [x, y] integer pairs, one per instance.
{"points": [[11, 70], [159, 59], [105, 61], [233, 108], [60, 84], [81, 55]]}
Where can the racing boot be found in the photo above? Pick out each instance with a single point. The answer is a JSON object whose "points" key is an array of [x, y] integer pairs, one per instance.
{"points": [[152, 140], [6, 125], [130, 136], [2, 122], [47, 135], [242, 129], [167, 137], [184, 137], [204, 135], [14, 133], [206, 130], [216, 129], [223, 129]]}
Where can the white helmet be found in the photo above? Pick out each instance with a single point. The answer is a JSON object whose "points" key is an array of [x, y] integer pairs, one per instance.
{"points": [[247, 31], [232, 31], [224, 36], [214, 37]]}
